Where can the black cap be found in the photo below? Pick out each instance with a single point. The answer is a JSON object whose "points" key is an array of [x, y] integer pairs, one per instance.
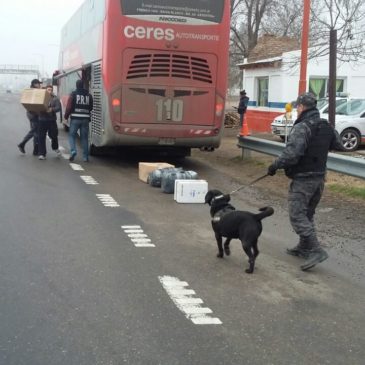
{"points": [[307, 99], [243, 92], [79, 84], [34, 82]]}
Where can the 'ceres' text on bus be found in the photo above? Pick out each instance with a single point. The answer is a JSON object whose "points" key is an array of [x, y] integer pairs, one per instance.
{"points": [[141, 32]]}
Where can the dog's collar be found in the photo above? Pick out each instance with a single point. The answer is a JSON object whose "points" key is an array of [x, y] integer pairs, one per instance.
{"points": [[217, 198]]}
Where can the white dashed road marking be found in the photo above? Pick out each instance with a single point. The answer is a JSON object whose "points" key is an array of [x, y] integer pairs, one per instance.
{"points": [[76, 167], [107, 200], [183, 299], [89, 180], [135, 233]]}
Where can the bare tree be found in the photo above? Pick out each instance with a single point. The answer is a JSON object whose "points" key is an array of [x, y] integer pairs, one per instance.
{"points": [[283, 19], [246, 22], [348, 18], [246, 19]]}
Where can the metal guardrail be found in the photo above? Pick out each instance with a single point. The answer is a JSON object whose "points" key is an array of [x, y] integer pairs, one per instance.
{"points": [[343, 164]]}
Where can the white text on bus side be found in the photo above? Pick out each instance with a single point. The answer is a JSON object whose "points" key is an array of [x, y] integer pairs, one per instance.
{"points": [[147, 33]]}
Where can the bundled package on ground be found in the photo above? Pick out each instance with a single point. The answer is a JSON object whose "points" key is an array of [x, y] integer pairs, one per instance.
{"points": [[155, 177], [190, 191], [35, 100], [168, 179], [145, 168]]}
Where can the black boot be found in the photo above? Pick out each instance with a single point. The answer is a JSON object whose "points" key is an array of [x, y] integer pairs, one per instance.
{"points": [[300, 250], [316, 254], [21, 147]]}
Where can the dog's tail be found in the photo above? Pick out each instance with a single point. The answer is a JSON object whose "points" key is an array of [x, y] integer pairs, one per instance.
{"points": [[265, 212]]}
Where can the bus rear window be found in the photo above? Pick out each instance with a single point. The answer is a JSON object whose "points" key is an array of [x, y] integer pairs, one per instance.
{"points": [[163, 10]]}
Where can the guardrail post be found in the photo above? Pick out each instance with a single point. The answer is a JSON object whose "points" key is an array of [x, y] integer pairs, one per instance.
{"points": [[246, 153]]}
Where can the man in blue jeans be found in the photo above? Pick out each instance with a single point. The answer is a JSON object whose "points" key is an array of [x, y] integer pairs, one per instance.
{"points": [[79, 106]]}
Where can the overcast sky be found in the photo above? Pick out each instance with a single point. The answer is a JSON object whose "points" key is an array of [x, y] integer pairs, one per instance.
{"points": [[30, 31]]}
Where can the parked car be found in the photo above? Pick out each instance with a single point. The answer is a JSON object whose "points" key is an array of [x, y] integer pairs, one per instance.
{"points": [[350, 123], [281, 126]]}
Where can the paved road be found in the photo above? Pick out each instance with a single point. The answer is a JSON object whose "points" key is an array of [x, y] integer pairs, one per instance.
{"points": [[75, 289]]}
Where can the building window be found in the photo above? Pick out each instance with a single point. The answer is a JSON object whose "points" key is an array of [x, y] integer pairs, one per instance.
{"points": [[263, 91], [319, 86]]}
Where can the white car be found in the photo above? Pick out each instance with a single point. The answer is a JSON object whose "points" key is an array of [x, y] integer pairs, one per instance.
{"points": [[281, 126], [350, 123]]}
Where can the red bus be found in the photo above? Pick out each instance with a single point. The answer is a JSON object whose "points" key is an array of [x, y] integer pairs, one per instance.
{"points": [[157, 71]]}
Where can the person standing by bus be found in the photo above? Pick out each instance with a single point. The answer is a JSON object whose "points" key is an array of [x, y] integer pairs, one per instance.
{"points": [[242, 106], [79, 107], [48, 124], [33, 120]]}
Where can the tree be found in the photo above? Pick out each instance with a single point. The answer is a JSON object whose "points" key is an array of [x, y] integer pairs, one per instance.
{"points": [[348, 18], [246, 21], [283, 19], [246, 18]]}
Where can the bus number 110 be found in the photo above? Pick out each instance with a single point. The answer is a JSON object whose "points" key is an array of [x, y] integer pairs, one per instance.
{"points": [[170, 109]]}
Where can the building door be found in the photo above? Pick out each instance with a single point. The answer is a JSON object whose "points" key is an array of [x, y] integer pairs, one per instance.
{"points": [[263, 91]]}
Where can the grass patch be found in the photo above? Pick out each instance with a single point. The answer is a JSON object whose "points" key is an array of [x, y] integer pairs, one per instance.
{"points": [[354, 192], [249, 160]]}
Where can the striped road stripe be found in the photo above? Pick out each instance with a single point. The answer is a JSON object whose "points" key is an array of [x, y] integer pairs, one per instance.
{"points": [[107, 200], [183, 299], [137, 236], [76, 167], [89, 180]]}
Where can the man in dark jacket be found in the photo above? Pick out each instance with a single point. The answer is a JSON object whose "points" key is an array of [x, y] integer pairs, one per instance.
{"points": [[304, 161], [48, 124], [33, 120], [242, 106], [79, 107]]}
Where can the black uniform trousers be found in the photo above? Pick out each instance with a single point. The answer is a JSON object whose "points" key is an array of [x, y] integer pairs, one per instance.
{"points": [[47, 126]]}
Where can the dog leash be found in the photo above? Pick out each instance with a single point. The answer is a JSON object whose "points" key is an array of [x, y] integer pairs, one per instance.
{"points": [[250, 184]]}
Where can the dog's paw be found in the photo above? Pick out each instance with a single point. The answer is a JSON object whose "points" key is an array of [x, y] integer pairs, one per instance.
{"points": [[220, 255], [227, 251], [249, 271]]}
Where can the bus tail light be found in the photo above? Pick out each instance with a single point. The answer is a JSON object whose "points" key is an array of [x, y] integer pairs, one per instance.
{"points": [[116, 105], [219, 106]]}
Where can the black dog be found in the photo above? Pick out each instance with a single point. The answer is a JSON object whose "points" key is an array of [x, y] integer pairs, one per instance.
{"points": [[231, 223]]}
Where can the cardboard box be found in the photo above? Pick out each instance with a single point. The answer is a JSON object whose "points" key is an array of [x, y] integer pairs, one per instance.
{"points": [[35, 100], [144, 168], [190, 191]]}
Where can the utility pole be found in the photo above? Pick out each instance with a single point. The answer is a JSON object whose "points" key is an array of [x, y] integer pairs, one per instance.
{"points": [[332, 78], [304, 53]]}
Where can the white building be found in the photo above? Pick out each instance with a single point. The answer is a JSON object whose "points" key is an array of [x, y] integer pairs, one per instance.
{"points": [[274, 81]]}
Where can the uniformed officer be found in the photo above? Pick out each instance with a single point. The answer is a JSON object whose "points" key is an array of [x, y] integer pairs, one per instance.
{"points": [[304, 161], [79, 106]]}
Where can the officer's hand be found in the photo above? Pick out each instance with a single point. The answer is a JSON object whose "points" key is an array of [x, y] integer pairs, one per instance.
{"points": [[271, 170]]}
